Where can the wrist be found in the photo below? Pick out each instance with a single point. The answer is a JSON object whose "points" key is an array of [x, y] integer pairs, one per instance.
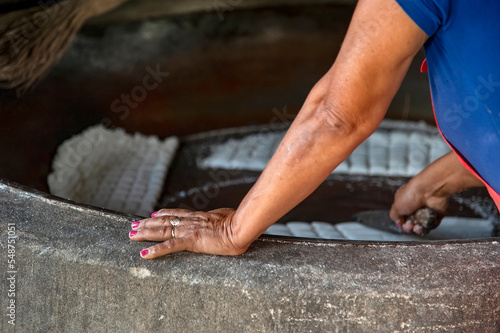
{"points": [[242, 235], [444, 177], [456, 178], [428, 189]]}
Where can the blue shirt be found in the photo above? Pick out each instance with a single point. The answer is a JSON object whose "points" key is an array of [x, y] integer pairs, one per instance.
{"points": [[463, 58]]}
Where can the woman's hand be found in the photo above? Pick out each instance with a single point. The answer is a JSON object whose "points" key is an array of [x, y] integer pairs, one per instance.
{"points": [[412, 196], [203, 232], [431, 188]]}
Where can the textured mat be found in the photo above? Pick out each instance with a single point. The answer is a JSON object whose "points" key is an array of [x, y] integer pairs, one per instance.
{"points": [[112, 169], [450, 228], [397, 148]]}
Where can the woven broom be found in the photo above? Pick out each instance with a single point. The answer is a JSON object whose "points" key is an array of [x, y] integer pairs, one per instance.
{"points": [[32, 39]]}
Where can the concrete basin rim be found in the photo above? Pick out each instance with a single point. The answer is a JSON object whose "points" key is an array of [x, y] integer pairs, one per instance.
{"points": [[24, 191]]}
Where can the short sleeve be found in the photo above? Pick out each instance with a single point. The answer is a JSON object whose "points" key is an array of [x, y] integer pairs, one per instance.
{"points": [[429, 15]]}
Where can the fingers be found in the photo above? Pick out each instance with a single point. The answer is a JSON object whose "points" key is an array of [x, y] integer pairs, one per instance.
{"points": [[419, 230], [406, 202], [410, 228], [162, 221], [407, 228], [160, 229], [167, 247], [153, 234], [396, 216], [177, 212], [165, 218], [181, 230], [400, 219]]}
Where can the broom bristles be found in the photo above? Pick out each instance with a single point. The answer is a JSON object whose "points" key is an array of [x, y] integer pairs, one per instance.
{"points": [[31, 40]]}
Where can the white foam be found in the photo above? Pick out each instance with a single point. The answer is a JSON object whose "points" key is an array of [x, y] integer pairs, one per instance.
{"points": [[378, 156], [301, 229], [343, 167], [326, 230], [359, 160], [398, 153], [278, 230], [418, 153], [112, 169], [450, 228], [397, 148], [438, 148]]}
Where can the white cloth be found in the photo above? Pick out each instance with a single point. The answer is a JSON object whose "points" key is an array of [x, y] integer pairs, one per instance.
{"points": [[112, 169]]}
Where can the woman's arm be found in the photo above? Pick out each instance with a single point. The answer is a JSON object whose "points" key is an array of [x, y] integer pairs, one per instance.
{"points": [[432, 188], [341, 111]]}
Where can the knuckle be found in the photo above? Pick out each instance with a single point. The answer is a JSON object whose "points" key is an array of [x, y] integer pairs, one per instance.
{"points": [[201, 214], [162, 211], [180, 211], [191, 246], [163, 232], [164, 219], [168, 245], [154, 250]]}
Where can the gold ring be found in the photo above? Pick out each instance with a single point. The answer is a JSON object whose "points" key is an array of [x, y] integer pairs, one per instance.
{"points": [[175, 221], [173, 232]]}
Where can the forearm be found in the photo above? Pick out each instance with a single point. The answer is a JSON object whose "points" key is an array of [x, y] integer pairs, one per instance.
{"points": [[319, 139]]}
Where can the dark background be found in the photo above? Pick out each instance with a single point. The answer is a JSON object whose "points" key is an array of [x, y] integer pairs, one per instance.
{"points": [[227, 68]]}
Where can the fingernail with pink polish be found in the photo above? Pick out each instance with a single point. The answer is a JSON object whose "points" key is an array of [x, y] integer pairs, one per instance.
{"points": [[144, 253], [132, 233], [154, 214], [135, 224]]}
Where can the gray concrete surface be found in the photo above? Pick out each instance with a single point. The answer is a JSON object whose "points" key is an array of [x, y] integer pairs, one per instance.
{"points": [[77, 271]]}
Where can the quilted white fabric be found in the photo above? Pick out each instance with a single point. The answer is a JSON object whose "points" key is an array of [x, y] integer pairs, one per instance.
{"points": [[397, 148], [450, 228], [112, 169]]}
